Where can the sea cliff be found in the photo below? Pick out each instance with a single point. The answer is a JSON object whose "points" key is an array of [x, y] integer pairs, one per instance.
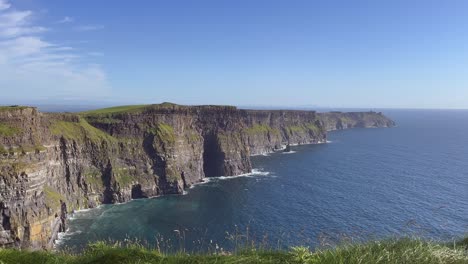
{"points": [[53, 163]]}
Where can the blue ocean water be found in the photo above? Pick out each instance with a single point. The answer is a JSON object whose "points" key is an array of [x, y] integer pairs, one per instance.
{"points": [[366, 183]]}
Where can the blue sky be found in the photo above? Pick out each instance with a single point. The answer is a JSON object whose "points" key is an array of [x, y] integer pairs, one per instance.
{"points": [[403, 54]]}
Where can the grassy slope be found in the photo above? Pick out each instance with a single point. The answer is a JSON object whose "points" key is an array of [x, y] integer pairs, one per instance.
{"points": [[79, 130], [124, 109], [13, 107], [116, 109], [390, 251], [8, 131]]}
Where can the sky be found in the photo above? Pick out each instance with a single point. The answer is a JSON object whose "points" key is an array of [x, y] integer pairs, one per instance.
{"points": [[380, 54]]}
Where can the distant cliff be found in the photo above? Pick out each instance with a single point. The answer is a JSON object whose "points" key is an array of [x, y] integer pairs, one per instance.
{"points": [[51, 164]]}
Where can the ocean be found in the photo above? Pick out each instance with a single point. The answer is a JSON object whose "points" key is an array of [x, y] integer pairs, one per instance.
{"points": [[410, 180]]}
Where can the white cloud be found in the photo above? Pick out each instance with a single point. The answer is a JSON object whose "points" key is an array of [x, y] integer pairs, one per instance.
{"points": [[89, 28], [19, 31], [33, 67], [4, 5], [66, 19]]}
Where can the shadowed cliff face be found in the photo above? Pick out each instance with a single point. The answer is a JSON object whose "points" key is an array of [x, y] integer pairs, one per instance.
{"points": [[213, 157], [54, 163]]}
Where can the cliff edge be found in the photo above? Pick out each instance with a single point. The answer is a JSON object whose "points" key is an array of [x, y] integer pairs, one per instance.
{"points": [[51, 164]]}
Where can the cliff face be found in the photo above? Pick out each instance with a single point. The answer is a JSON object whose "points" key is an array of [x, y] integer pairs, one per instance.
{"points": [[51, 164], [339, 120]]}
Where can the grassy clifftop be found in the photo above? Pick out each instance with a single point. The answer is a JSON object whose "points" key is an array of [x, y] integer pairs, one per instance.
{"points": [[118, 110], [79, 130], [388, 251], [148, 107]]}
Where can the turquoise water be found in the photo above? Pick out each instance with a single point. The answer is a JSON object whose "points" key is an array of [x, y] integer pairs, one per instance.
{"points": [[365, 184]]}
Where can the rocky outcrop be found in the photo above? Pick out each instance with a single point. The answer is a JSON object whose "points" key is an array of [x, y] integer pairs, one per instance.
{"points": [[51, 164], [339, 120]]}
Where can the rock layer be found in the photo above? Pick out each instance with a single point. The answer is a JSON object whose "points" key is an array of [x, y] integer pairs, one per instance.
{"points": [[54, 163]]}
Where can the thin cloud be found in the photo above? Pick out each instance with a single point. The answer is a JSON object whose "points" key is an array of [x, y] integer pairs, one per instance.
{"points": [[66, 19], [4, 5], [33, 65], [17, 23], [89, 28]]}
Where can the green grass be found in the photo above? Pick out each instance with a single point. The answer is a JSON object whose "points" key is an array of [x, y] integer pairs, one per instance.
{"points": [[110, 111], [305, 128], [3, 150], [19, 167], [79, 131], [193, 136], [117, 110], [13, 107], [387, 251], [314, 128], [261, 129], [296, 129], [52, 197], [125, 176], [8, 131], [164, 132], [126, 109], [93, 176], [25, 149]]}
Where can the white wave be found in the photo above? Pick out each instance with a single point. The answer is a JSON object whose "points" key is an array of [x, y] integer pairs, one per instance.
{"points": [[283, 147], [61, 237], [255, 172], [258, 154], [267, 153], [259, 172]]}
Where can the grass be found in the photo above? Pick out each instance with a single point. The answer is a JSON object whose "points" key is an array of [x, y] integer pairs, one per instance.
{"points": [[125, 109], [12, 107], [164, 132], [79, 131], [116, 110], [93, 176], [52, 197], [23, 149], [314, 128], [305, 128], [124, 176], [261, 129], [19, 167], [387, 251], [3, 150], [8, 131]]}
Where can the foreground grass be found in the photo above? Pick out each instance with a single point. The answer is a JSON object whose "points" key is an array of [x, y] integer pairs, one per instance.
{"points": [[389, 251]]}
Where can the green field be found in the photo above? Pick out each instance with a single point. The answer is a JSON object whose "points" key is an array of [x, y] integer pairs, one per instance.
{"points": [[117, 110], [126, 109]]}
